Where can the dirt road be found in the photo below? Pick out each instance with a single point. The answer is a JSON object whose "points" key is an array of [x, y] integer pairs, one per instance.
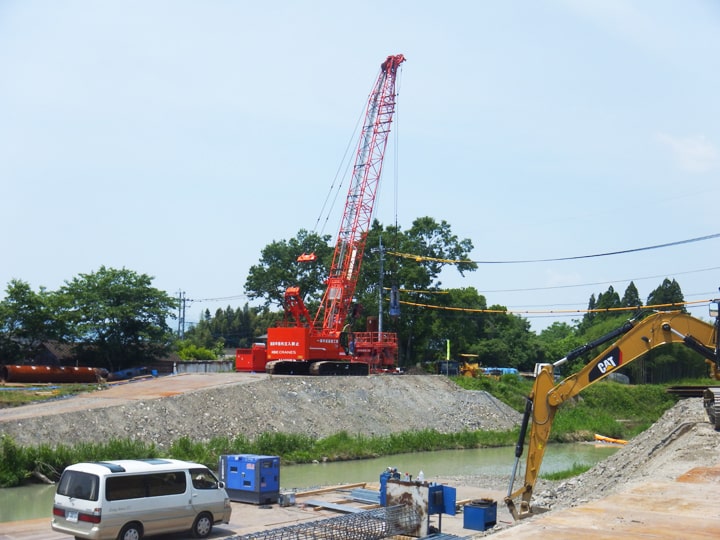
{"points": [[126, 392]]}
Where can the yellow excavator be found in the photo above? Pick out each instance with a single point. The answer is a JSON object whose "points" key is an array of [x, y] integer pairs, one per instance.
{"points": [[635, 338]]}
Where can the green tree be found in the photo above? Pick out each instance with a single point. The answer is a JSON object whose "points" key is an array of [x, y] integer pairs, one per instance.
{"points": [[433, 247], [508, 342], [231, 328], [557, 340], [668, 295], [608, 300], [590, 316], [631, 298], [602, 308], [27, 318], [187, 350], [461, 321], [279, 269], [116, 318]]}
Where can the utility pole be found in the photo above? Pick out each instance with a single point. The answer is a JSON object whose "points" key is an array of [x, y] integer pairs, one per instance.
{"points": [[380, 292], [182, 302]]}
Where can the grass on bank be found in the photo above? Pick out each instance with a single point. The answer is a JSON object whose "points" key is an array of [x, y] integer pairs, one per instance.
{"points": [[615, 410], [13, 395], [611, 409], [19, 464], [576, 470]]}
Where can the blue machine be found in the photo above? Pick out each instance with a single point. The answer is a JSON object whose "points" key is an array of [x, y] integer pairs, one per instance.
{"points": [[480, 515], [251, 478]]}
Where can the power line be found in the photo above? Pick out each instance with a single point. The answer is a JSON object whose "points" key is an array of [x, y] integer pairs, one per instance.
{"points": [[599, 282], [547, 306], [420, 258], [233, 297], [557, 312]]}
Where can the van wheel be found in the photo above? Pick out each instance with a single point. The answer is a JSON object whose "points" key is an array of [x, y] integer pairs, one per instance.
{"points": [[203, 525], [131, 531]]}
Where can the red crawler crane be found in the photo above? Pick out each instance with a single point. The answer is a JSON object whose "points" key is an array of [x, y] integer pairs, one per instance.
{"points": [[325, 345]]}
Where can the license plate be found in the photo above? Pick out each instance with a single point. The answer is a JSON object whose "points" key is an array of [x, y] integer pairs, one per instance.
{"points": [[71, 515]]}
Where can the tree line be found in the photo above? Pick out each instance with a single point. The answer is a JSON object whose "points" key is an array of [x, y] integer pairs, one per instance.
{"points": [[113, 318], [116, 319]]}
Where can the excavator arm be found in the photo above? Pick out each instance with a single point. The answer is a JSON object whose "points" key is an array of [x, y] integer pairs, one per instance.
{"points": [[637, 338]]}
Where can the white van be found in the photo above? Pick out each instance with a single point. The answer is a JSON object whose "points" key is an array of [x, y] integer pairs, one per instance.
{"points": [[132, 498]]}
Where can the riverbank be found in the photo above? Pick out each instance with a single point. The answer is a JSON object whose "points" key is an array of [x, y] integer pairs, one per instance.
{"points": [[680, 440], [681, 446]]}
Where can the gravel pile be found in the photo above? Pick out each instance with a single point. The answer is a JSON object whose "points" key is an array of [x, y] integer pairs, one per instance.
{"points": [[313, 406], [681, 440]]}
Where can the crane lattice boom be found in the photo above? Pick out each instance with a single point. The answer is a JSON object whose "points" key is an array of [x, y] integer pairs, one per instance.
{"points": [[328, 345], [357, 217]]}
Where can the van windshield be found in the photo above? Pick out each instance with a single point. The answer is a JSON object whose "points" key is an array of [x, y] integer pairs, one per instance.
{"points": [[79, 485]]}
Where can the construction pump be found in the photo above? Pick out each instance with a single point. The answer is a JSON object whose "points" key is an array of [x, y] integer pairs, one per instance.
{"points": [[327, 343], [634, 339]]}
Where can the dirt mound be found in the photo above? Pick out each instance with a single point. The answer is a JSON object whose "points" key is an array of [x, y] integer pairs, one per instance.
{"points": [[681, 440], [313, 406]]}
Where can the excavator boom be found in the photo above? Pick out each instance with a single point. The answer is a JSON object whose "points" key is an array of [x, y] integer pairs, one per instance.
{"points": [[636, 339]]}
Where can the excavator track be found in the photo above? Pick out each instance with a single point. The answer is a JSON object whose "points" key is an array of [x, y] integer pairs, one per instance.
{"points": [[711, 401]]}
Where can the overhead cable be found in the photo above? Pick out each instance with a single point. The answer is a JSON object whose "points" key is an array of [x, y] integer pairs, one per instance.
{"points": [[420, 258], [557, 311]]}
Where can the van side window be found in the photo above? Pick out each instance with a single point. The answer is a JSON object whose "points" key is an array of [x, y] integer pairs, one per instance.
{"points": [[124, 487], [79, 485], [137, 486], [203, 479], [171, 483]]}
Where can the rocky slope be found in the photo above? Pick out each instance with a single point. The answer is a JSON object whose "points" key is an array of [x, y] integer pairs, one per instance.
{"points": [[681, 440], [314, 406]]}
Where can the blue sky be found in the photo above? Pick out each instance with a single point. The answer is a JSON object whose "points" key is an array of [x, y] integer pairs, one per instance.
{"points": [[178, 138]]}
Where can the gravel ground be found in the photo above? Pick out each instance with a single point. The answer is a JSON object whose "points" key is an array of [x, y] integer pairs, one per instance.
{"points": [[318, 406], [681, 440]]}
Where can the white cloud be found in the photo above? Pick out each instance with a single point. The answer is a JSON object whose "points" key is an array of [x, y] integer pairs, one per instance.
{"points": [[694, 154]]}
